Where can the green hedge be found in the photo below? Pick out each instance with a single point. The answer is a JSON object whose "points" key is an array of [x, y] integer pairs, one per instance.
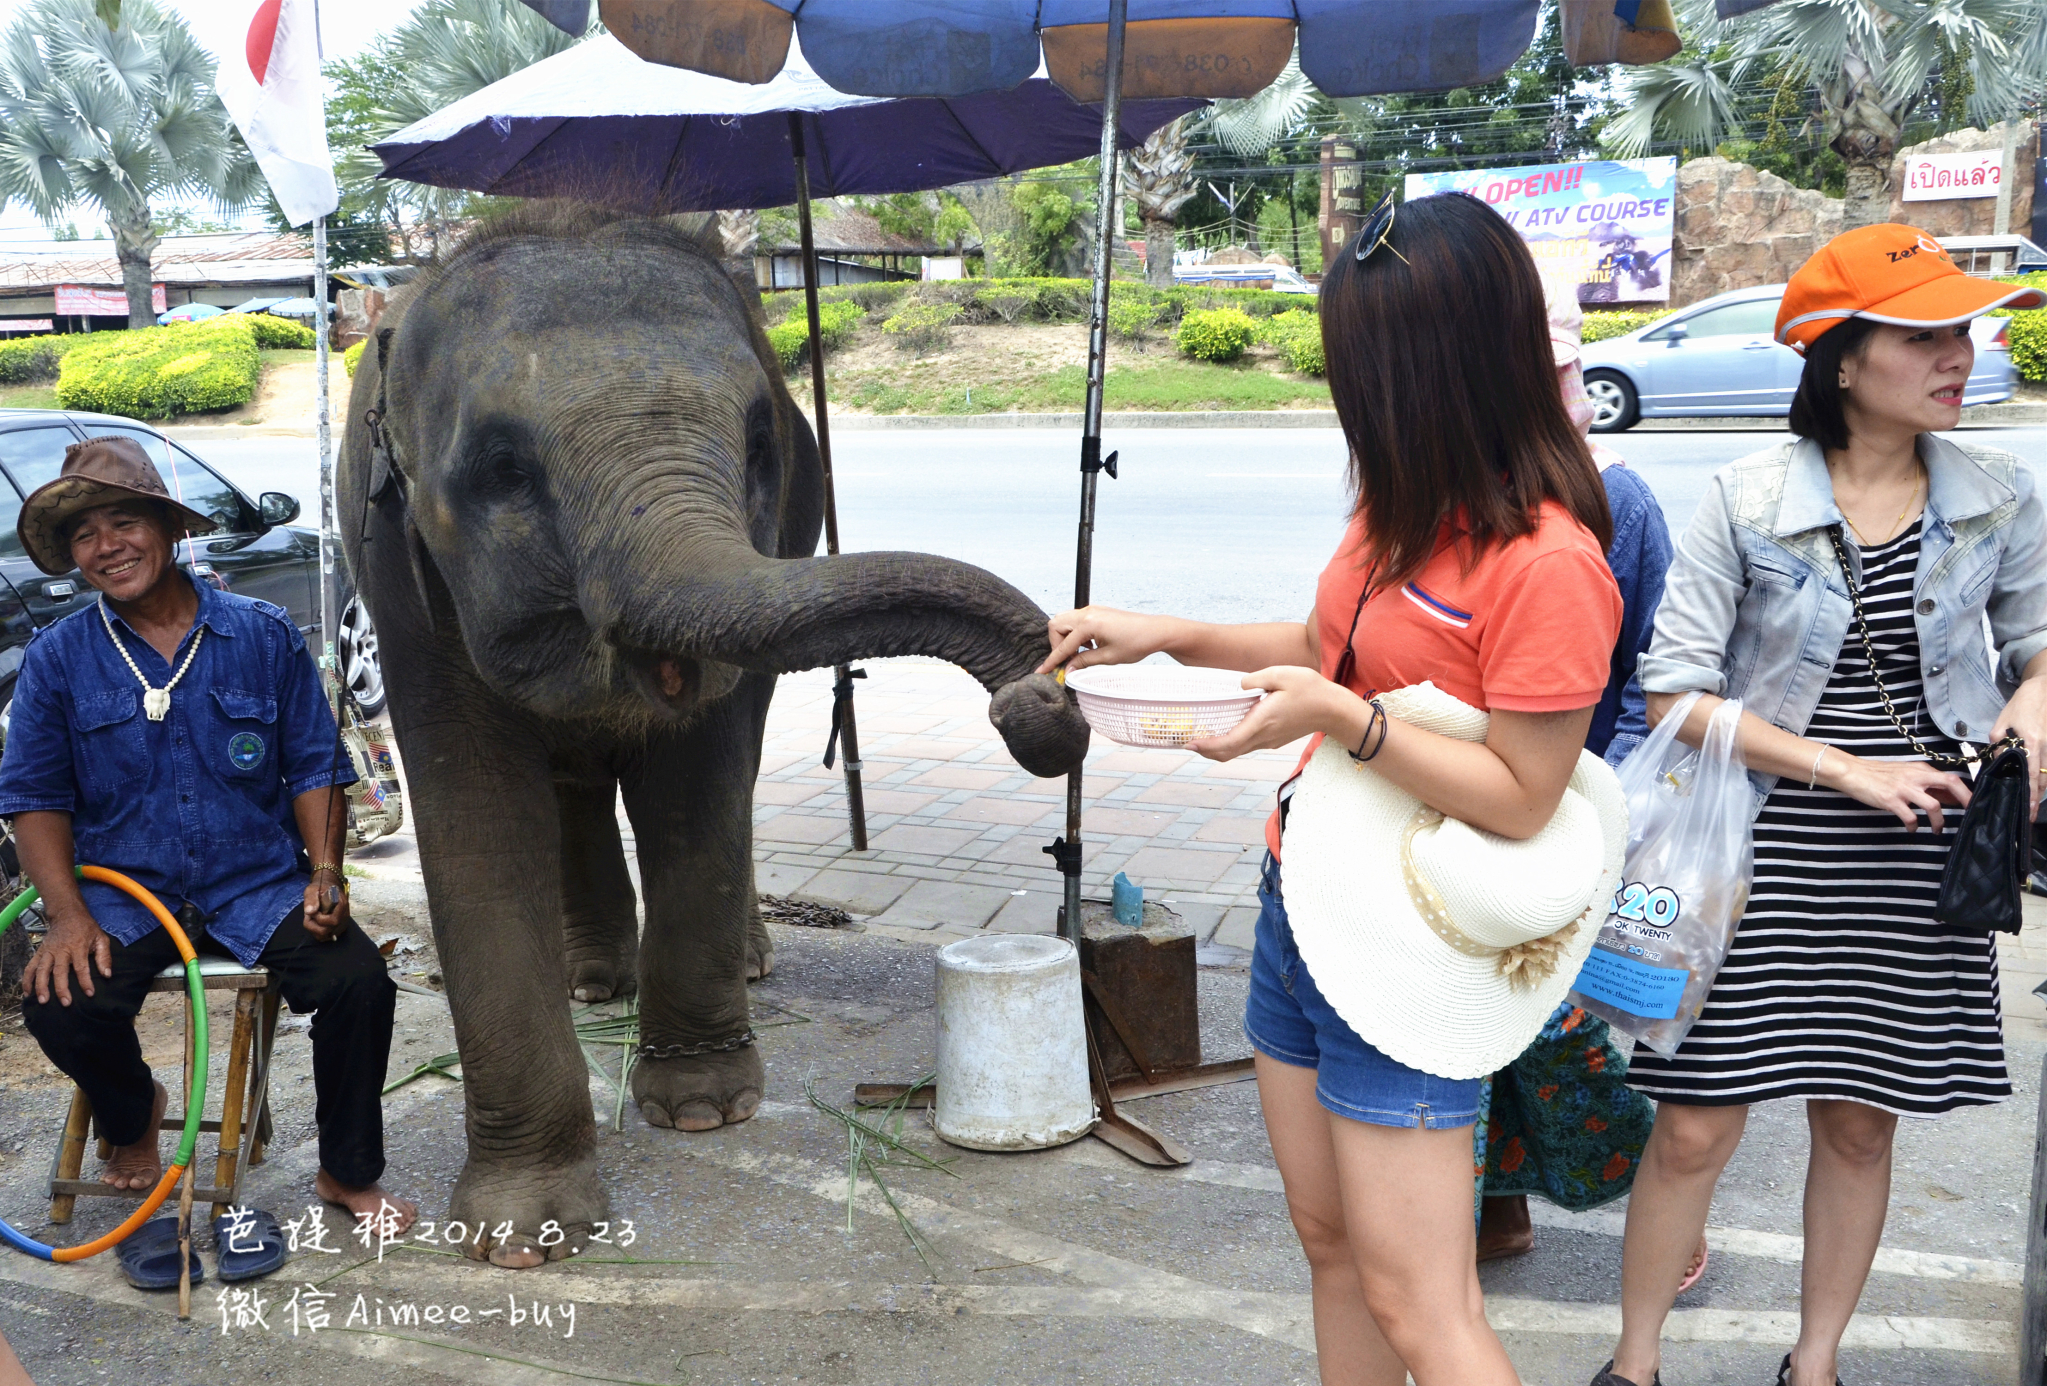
{"points": [[155, 372], [791, 337], [1215, 334], [350, 357], [1600, 327], [1298, 337], [279, 333], [983, 301], [26, 360], [922, 326], [2027, 333]]}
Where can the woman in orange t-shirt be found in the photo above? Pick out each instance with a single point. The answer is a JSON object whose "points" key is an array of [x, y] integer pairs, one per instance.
{"points": [[1475, 560]]}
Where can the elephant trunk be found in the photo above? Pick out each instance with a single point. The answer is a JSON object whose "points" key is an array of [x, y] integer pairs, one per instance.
{"points": [[777, 616]]}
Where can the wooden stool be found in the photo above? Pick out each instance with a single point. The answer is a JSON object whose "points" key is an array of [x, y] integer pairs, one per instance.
{"points": [[241, 1141]]}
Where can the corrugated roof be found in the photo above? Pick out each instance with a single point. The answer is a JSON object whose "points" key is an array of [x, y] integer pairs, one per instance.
{"points": [[227, 257]]}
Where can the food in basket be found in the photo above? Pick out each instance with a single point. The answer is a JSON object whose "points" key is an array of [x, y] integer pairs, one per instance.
{"points": [[1161, 705]]}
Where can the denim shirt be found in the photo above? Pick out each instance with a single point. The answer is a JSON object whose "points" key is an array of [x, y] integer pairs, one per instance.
{"points": [[1639, 556], [197, 807], [1756, 608]]}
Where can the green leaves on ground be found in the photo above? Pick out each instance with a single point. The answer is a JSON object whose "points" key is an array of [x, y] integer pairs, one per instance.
{"points": [[26, 360], [1600, 327], [1298, 337], [275, 334], [922, 327], [155, 372], [791, 337], [1215, 334]]}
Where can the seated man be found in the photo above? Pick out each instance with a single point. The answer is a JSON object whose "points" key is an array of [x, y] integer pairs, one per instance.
{"points": [[178, 734]]}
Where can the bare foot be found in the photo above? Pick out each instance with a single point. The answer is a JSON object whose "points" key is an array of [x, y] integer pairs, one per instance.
{"points": [[140, 1166], [370, 1199]]}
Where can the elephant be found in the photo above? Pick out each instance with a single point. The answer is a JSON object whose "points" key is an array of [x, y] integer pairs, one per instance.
{"points": [[579, 500]]}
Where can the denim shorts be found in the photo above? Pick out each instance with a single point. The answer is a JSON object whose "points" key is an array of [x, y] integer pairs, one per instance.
{"points": [[1287, 1019]]}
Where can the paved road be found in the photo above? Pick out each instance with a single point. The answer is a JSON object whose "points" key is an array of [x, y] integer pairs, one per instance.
{"points": [[1228, 524]]}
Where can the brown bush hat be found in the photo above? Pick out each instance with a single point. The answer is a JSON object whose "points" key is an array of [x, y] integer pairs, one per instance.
{"points": [[98, 471]]}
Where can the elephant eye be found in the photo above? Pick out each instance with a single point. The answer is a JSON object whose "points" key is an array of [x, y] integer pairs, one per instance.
{"points": [[497, 468]]}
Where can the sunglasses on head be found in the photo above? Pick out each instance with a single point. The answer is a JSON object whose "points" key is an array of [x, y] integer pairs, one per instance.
{"points": [[1377, 228]]}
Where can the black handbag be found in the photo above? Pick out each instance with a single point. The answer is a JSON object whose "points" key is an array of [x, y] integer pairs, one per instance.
{"points": [[1985, 878], [1984, 881]]}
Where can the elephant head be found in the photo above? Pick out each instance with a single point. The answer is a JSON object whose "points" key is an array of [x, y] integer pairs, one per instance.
{"points": [[610, 491]]}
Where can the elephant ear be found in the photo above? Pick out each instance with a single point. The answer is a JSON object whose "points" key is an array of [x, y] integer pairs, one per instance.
{"points": [[421, 563]]}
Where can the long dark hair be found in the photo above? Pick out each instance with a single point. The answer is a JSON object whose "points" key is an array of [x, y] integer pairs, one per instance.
{"points": [[1446, 388], [1816, 408]]}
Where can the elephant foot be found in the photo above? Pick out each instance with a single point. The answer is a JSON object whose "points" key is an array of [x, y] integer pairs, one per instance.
{"points": [[551, 1210], [760, 950], [602, 978], [701, 1092]]}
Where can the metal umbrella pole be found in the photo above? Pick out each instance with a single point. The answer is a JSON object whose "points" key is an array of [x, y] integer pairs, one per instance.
{"points": [[329, 597], [844, 731], [1066, 851]]}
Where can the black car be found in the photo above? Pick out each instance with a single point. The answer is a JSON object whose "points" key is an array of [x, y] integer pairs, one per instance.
{"points": [[255, 550]]}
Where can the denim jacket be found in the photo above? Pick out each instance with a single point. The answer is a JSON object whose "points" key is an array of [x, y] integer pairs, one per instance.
{"points": [[1755, 606]]}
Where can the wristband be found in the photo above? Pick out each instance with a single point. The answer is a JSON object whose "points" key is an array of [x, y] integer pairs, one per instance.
{"points": [[330, 867], [1812, 781], [1378, 724]]}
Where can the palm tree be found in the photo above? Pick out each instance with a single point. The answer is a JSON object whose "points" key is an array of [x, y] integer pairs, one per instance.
{"points": [[446, 50], [1868, 63], [115, 118], [1158, 177]]}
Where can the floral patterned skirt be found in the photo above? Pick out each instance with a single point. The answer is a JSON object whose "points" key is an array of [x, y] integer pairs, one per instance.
{"points": [[1560, 1121]]}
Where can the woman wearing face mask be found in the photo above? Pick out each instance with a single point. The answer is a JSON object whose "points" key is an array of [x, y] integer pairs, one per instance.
{"points": [[1839, 586]]}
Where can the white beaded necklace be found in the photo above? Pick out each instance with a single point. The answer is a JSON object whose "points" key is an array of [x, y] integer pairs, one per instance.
{"points": [[155, 701]]}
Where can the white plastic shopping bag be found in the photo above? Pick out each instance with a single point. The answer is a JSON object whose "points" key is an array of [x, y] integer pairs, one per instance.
{"points": [[1690, 855]]}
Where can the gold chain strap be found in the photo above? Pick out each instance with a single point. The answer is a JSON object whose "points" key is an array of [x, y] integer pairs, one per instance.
{"points": [[1941, 758]]}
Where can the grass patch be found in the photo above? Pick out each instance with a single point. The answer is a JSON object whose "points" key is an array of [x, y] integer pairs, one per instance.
{"points": [[40, 396], [1166, 386]]}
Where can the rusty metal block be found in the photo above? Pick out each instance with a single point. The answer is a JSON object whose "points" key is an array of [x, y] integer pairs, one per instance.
{"points": [[1141, 1000]]}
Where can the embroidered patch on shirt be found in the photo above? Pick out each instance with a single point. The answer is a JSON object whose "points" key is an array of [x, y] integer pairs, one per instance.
{"points": [[1436, 606], [245, 750]]}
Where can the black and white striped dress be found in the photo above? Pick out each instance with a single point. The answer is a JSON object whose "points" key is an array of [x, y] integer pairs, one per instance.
{"points": [[1839, 982]]}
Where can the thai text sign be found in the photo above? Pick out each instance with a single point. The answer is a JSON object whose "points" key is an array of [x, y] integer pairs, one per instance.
{"points": [[1605, 224], [101, 303], [1938, 177]]}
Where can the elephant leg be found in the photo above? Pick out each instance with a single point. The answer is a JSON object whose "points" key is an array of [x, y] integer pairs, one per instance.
{"points": [[489, 835], [600, 924], [691, 803]]}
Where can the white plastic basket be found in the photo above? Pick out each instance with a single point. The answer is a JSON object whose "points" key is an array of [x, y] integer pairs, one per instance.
{"points": [[1165, 705]]}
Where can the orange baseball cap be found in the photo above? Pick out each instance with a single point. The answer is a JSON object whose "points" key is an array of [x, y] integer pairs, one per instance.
{"points": [[1888, 273]]}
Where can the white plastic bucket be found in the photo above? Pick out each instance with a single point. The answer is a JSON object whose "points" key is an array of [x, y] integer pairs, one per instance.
{"points": [[1012, 1044]]}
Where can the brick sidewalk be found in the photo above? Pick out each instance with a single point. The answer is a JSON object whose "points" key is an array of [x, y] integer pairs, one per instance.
{"points": [[956, 826]]}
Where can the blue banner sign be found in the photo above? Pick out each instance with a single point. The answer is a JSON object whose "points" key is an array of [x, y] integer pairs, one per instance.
{"points": [[1605, 224]]}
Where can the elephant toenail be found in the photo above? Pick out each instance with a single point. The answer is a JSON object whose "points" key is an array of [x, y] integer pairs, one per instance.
{"points": [[698, 1116], [657, 1115]]}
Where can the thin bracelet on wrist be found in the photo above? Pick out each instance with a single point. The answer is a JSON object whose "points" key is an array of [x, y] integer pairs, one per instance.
{"points": [[1812, 781], [1377, 722]]}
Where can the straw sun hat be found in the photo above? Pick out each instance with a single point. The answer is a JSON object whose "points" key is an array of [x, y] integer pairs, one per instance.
{"points": [[1444, 947]]}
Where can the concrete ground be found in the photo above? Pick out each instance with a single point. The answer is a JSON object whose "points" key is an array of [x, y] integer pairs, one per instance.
{"points": [[1065, 1265]]}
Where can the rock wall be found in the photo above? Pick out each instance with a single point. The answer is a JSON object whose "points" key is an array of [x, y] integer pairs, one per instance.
{"points": [[1738, 227], [1969, 216]]}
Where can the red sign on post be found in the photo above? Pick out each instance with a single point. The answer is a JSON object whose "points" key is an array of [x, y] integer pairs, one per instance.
{"points": [[75, 299]]}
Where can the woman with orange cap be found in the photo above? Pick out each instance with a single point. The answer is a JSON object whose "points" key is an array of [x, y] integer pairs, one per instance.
{"points": [[1839, 585]]}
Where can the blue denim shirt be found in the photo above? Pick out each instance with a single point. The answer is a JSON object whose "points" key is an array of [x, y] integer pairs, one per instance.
{"points": [[197, 807], [1639, 557], [1757, 608]]}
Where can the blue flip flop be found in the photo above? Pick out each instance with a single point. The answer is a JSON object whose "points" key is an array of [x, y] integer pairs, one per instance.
{"points": [[149, 1258], [259, 1249]]}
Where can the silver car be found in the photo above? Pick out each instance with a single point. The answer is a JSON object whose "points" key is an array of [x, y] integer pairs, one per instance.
{"points": [[1719, 358]]}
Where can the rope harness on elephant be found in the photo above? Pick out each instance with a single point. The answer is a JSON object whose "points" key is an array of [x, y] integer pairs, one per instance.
{"points": [[690, 1051]]}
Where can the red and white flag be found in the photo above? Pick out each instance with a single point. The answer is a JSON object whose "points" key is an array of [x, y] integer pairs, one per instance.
{"points": [[272, 91]]}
